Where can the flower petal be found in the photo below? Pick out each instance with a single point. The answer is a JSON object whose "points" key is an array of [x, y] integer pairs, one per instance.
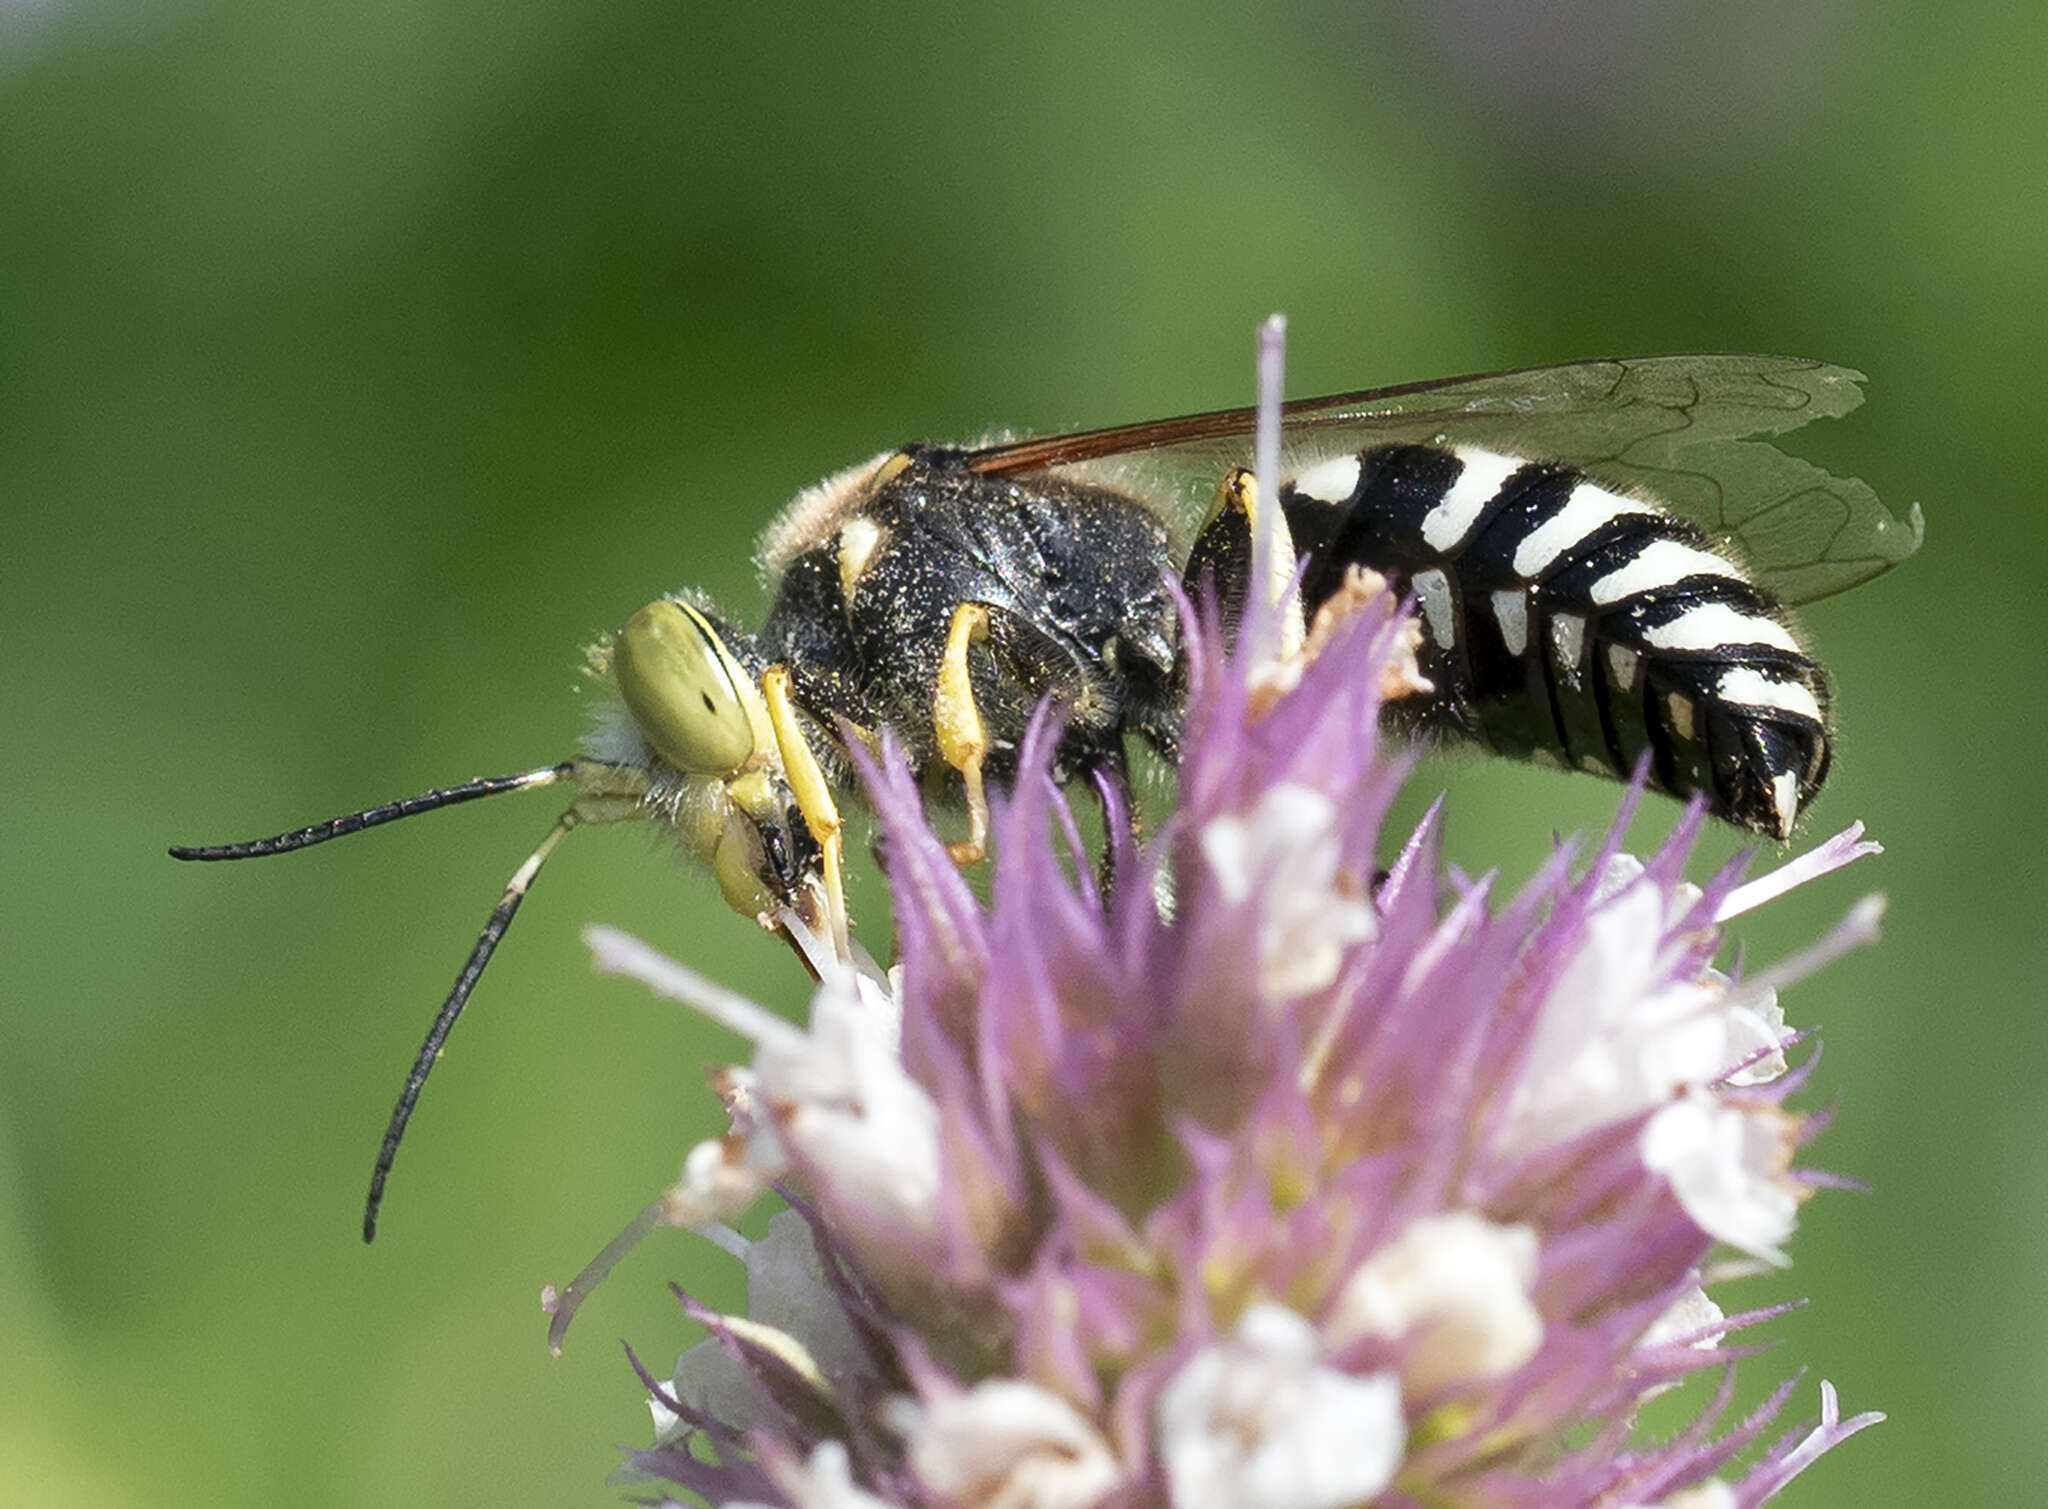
{"points": [[1259, 1419]]}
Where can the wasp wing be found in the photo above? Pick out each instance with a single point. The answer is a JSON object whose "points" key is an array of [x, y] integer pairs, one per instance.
{"points": [[1676, 428]]}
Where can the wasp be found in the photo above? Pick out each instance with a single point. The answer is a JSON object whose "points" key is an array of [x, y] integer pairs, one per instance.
{"points": [[1601, 553]]}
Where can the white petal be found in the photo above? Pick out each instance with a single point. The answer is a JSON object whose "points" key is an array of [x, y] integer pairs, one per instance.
{"points": [[1726, 1166], [667, 1423], [1257, 1419], [1007, 1444], [1694, 1318], [839, 1087], [848, 1105], [824, 1482], [1284, 855], [723, 1176], [1712, 1494], [1756, 1032], [1622, 1025], [1459, 1280]]}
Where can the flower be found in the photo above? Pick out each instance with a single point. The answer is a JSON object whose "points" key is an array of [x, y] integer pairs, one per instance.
{"points": [[1460, 1285], [1283, 857], [1006, 1442], [1262, 1417], [1321, 1186]]}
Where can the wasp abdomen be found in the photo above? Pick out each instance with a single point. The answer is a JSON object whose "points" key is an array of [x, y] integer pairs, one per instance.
{"points": [[1564, 620]]}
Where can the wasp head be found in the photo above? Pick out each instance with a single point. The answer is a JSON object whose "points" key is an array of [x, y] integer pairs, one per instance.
{"points": [[692, 688]]}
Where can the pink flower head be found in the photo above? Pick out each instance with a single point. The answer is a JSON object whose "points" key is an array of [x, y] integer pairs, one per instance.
{"points": [[1265, 1175]]}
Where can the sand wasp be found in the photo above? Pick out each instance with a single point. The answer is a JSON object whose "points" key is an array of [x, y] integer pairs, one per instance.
{"points": [[1600, 555]]}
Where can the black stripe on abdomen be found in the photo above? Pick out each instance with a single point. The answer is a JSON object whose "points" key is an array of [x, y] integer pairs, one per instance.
{"points": [[1564, 619]]}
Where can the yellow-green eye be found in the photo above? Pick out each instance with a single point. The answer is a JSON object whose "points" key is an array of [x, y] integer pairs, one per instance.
{"points": [[684, 689]]}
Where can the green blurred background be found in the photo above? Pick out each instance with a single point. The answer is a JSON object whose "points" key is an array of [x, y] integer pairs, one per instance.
{"points": [[358, 364]]}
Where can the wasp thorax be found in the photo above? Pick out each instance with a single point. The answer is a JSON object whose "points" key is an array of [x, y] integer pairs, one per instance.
{"points": [[685, 689]]}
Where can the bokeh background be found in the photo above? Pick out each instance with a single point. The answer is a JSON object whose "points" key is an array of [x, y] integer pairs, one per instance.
{"points": [[360, 363]]}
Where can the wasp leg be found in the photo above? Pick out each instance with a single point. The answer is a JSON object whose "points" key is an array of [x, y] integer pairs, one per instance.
{"points": [[1112, 783], [813, 799], [1220, 560], [1021, 665], [1222, 555], [962, 738]]}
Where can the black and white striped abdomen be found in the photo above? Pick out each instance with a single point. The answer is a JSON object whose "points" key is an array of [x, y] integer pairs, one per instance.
{"points": [[1564, 620]]}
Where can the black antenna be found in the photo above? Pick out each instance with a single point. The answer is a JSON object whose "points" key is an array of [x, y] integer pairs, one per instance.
{"points": [[390, 812], [458, 997], [486, 943]]}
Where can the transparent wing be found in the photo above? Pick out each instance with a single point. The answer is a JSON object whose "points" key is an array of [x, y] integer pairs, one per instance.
{"points": [[1677, 428]]}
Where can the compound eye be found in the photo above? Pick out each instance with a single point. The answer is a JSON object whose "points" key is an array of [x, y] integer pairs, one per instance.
{"points": [[684, 689]]}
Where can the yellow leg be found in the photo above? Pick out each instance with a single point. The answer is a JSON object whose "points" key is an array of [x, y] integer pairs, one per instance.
{"points": [[813, 798], [1236, 493], [963, 742]]}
